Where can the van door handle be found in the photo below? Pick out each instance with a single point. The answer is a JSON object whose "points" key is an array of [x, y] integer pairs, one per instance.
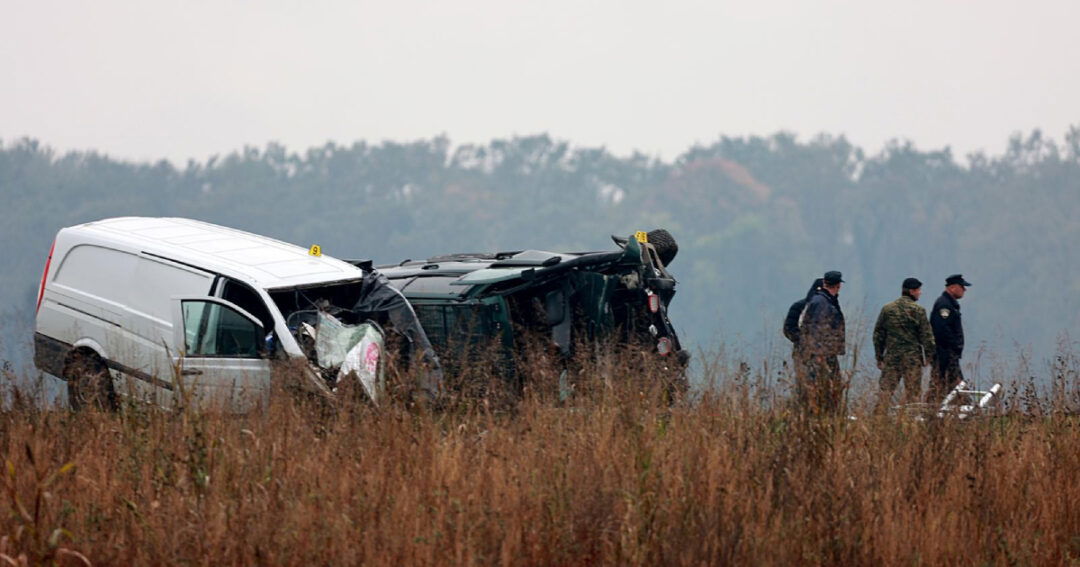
{"points": [[190, 372]]}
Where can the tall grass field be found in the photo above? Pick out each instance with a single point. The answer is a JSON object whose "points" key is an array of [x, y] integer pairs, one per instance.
{"points": [[614, 475]]}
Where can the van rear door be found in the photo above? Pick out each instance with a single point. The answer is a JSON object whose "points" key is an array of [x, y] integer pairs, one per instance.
{"points": [[220, 353]]}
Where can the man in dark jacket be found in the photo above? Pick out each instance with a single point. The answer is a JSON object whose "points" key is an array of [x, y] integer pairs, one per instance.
{"points": [[903, 344], [949, 337], [791, 331], [821, 329]]}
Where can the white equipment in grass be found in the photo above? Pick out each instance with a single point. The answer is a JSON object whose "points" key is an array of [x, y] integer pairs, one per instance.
{"points": [[962, 402], [977, 401]]}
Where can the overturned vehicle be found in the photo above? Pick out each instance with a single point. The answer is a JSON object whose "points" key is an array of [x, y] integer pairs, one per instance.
{"points": [[618, 298]]}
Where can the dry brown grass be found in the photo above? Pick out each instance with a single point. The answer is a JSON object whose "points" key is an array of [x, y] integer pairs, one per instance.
{"points": [[614, 477]]}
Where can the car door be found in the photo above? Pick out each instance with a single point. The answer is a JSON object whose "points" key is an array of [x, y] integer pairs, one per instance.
{"points": [[220, 354]]}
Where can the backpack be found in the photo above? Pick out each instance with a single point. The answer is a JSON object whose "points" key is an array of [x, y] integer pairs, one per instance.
{"points": [[793, 321]]}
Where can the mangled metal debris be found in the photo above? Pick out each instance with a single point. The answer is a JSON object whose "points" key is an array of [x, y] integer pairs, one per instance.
{"points": [[618, 297]]}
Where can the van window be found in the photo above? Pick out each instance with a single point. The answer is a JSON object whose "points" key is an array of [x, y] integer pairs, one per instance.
{"points": [[212, 329], [245, 298], [98, 271], [156, 282]]}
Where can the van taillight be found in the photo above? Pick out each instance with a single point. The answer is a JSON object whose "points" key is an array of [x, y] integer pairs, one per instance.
{"points": [[44, 274]]}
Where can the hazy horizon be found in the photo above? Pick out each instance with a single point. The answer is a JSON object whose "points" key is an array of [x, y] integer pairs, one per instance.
{"points": [[187, 81]]}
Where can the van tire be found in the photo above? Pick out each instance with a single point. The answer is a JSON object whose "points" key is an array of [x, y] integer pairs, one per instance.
{"points": [[89, 383]]}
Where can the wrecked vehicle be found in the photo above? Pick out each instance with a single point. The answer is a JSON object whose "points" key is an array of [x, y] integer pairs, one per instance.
{"points": [[163, 309], [619, 297]]}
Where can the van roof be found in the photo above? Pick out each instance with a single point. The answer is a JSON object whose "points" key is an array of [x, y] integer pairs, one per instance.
{"points": [[258, 260]]}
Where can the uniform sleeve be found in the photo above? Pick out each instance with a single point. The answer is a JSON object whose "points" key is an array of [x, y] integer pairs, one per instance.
{"points": [[926, 335], [812, 315], [880, 332], [940, 327], [809, 330], [958, 335]]}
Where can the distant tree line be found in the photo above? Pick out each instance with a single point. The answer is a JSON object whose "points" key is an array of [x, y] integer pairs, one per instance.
{"points": [[756, 218]]}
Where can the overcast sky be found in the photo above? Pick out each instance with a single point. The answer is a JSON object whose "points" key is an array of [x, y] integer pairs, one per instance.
{"points": [[145, 79]]}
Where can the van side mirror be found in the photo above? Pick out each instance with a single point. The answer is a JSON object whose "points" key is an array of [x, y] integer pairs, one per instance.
{"points": [[364, 264], [271, 346], [268, 346]]}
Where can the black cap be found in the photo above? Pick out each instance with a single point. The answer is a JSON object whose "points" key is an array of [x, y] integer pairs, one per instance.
{"points": [[912, 283], [832, 278], [957, 279]]}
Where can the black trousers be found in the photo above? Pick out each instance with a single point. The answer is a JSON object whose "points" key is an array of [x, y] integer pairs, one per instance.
{"points": [[944, 376], [801, 369], [825, 386]]}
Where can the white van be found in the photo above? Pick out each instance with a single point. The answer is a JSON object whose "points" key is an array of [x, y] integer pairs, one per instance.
{"points": [[151, 307]]}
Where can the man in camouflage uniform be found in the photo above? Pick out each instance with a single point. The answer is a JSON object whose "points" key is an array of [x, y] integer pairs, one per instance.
{"points": [[903, 344]]}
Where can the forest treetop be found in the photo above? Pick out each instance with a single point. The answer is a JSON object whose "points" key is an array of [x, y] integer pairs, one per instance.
{"points": [[757, 218]]}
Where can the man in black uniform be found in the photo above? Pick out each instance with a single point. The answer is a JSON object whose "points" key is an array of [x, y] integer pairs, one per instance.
{"points": [[798, 356], [948, 338], [821, 330]]}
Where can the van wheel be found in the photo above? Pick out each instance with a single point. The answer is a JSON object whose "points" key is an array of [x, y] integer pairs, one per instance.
{"points": [[89, 383]]}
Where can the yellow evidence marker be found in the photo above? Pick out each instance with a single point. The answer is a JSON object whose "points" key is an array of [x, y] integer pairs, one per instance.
{"points": [[315, 250], [641, 236]]}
